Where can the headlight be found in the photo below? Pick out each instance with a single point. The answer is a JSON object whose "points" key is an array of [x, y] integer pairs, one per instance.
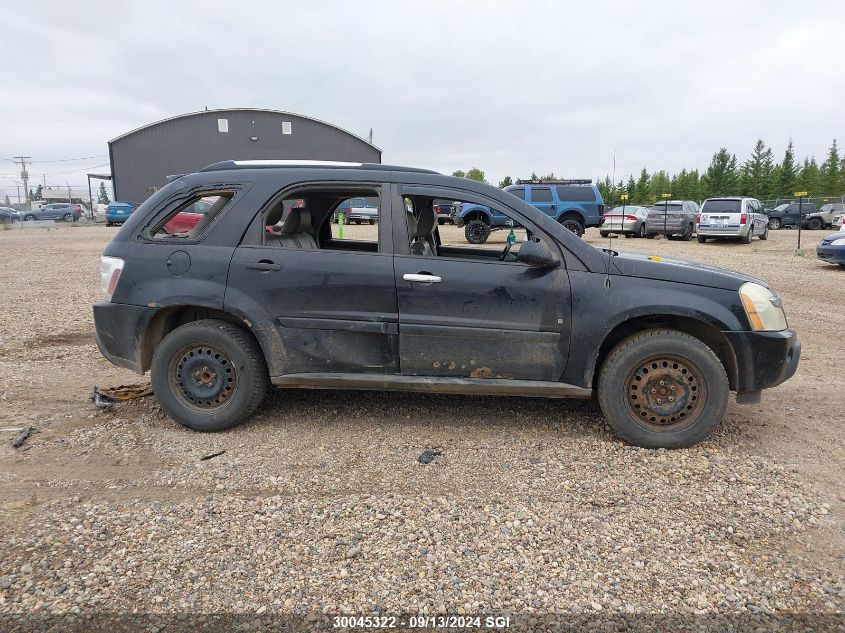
{"points": [[763, 308], [839, 242]]}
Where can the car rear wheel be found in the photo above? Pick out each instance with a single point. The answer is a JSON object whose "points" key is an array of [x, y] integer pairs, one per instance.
{"points": [[28, 217], [209, 375], [477, 232], [372, 222], [572, 224], [765, 234], [701, 239], [775, 224], [641, 233], [604, 233], [687, 235], [746, 239], [663, 389], [68, 217]]}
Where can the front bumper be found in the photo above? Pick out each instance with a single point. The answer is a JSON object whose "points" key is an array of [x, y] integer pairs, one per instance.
{"points": [[831, 254], [118, 330], [764, 359]]}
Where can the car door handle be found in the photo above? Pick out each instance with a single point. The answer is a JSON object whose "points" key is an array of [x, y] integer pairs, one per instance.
{"points": [[422, 278], [264, 265]]}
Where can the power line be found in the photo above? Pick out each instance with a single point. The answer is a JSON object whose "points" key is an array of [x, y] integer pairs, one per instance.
{"points": [[61, 160]]}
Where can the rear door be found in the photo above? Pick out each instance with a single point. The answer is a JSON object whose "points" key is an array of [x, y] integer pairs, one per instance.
{"points": [[542, 198], [332, 304]]}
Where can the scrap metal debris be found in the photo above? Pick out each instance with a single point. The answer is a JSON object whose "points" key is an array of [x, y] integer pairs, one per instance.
{"points": [[106, 397], [428, 456], [207, 457], [20, 437]]}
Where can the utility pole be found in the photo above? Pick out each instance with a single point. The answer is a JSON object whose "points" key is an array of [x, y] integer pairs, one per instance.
{"points": [[25, 179]]}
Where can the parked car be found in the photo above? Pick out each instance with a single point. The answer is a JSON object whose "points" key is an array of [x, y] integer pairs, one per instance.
{"points": [[219, 313], [790, 214], [8, 214], [575, 204], [838, 221], [357, 210], [118, 212], [673, 218], [832, 249], [824, 218], [733, 218], [628, 221], [444, 211], [66, 211]]}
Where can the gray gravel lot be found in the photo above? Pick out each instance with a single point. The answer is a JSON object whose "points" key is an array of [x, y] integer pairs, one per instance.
{"points": [[318, 504]]}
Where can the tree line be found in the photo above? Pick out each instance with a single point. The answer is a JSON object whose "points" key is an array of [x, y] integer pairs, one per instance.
{"points": [[759, 177]]}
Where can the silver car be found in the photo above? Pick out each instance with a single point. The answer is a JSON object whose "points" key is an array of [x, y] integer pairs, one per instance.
{"points": [[627, 220], [674, 218], [738, 218]]}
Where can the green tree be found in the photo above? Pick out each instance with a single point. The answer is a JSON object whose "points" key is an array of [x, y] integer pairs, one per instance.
{"points": [[721, 177], [505, 182], [476, 174], [809, 178], [659, 183], [832, 183], [788, 173], [102, 196], [460, 173], [640, 195], [38, 191], [756, 171]]}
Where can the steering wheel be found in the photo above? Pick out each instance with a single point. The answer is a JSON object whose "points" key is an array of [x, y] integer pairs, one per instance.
{"points": [[505, 252]]}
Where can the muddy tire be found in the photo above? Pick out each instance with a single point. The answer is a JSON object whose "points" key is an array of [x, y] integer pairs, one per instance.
{"points": [[663, 389], [477, 232], [209, 375]]}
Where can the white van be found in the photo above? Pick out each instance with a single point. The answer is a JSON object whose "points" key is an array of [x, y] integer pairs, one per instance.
{"points": [[738, 218]]}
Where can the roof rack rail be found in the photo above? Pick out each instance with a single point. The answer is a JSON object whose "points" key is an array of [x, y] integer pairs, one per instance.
{"points": [[541, 181]]}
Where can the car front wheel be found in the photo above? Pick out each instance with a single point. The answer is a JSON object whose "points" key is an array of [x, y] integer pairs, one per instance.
{"points": [[209, 375], [476, 232], [775, 224], [663, 389]]}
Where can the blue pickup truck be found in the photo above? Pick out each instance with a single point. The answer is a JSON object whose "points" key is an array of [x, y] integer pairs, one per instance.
{"points": [[576, 204]]}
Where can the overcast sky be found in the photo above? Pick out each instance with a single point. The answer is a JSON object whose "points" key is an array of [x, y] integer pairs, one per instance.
{"points": [[508, 87]]}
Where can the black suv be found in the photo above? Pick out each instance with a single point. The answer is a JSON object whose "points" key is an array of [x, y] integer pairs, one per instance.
{"points": [[789, 215], [263, 290]]}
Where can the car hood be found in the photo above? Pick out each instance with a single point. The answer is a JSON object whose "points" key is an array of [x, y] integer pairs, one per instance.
{"points": [[834, 236], [681, 271]]}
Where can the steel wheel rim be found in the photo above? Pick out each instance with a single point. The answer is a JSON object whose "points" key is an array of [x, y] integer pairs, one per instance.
{"points": [[665, 393], [203, 377]]}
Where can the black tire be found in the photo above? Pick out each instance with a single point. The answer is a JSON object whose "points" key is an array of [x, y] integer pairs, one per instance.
{"points": [[573, 224], [372, 222], [641, 233], [68, 217], [701, 239], [650, 236], [604, 233], [108, 223], [815, 224], [775, 224], [765, 234], [476, 231], [232, 375], [677, 363], [746, 239], [687, 235], [28, 217]]}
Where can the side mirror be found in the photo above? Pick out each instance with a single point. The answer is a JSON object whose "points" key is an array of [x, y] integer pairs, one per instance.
{"points": [[537, 254]]}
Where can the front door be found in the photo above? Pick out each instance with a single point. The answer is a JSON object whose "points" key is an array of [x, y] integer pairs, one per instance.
{"points": [[331, 301], [464, 312]]}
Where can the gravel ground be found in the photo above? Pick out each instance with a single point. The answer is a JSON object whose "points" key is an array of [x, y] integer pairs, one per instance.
{"points": [[319, 505]]}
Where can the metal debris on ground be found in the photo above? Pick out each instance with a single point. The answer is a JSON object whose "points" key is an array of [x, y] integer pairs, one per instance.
{"points": [[106, 397], [207, 457], [20, 437], [428, 456]]}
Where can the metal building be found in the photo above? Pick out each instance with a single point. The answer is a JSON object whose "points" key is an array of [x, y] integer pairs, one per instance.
{"points": [[142, 159]]}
